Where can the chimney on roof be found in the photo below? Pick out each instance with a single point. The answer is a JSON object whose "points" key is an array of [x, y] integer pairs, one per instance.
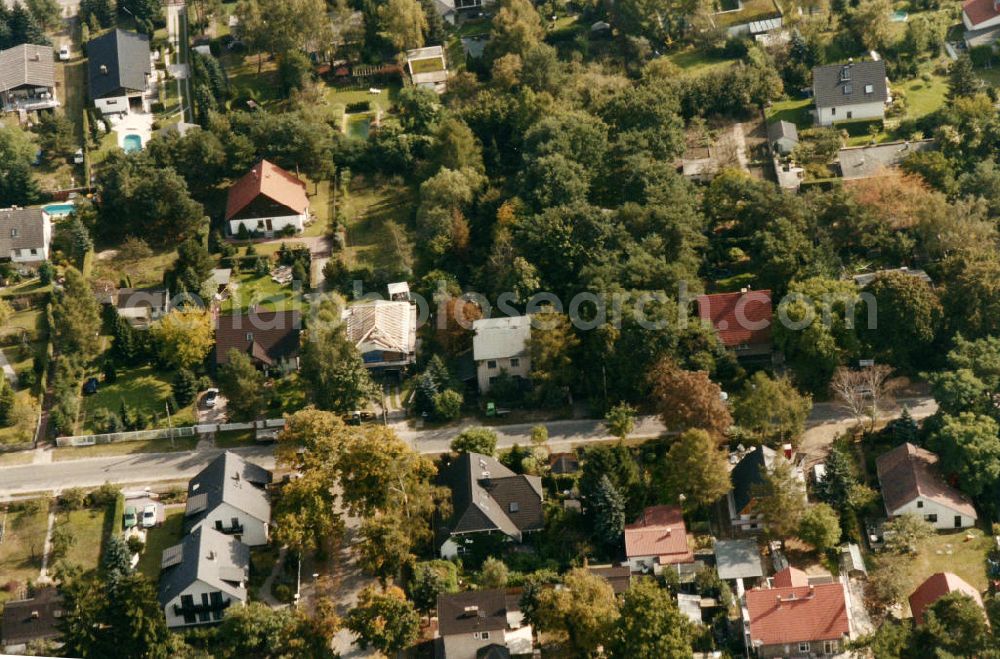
{"points": [[35, 615], [850, 61], [471, 611], [745, 290], [787, 450], [104, 69]]}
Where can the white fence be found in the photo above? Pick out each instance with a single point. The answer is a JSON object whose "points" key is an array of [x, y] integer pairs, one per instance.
{"points": [[165, 433]]}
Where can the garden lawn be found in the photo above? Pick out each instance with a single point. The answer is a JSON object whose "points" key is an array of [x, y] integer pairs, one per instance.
{"points": [[141, 388], [245, 82], [694, 60], [24, 288], [87, 526], [159, 538], [12, 435], [923, 98], [320, 206], [262, 291], [797, 111], [144, 272], [367, 208], [967, 559], [125, 448], [385, 100], [21, 549]]}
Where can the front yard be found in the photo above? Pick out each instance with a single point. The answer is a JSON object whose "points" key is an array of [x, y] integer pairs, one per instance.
{"points": [[143, 389], [22, 545], [158, 539], [87, 529], [950, 552]]}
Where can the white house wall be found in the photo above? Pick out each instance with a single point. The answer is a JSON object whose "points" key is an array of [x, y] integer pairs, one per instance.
{"points": [[945, 515], [826, 115], [112, 105], [259, 224], [254, 530], [484, 372], [467, 645], [195, 590]]}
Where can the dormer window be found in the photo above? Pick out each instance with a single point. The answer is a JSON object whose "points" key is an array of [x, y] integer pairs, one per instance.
{"points": [[848, 89], [249, 336], [869, 89], [514, 506], [845, 73], [13, 233]]}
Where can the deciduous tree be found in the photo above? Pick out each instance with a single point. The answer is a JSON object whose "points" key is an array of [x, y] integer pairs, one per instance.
{"points": [[242, 385], [780, 499], [697, 468], [772, 409], [582, 614], [384, 620], [403, 23], [651, 625], [475, 440], [820, 527], [689, 399], [184, 337], [76, 318]]}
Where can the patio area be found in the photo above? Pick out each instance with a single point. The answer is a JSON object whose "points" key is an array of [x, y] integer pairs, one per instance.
{"points": [[133, 131]]}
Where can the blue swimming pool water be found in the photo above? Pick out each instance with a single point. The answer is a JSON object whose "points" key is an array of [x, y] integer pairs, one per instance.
{"points": [[132, 143], [58, 209]]}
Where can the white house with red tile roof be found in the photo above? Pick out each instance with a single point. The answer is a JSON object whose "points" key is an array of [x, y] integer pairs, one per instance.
{"points": [[981, 19], [658, 538], [911, 484], [794, 619], [267, 200], [742, 320], [937, 586]]}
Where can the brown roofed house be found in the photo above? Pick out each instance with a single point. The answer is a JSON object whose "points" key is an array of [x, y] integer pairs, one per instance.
{"points": [[798, 620], [911, 484], [937, 586], [266, 201], [29, 620], [271, 338], [658, 538]]}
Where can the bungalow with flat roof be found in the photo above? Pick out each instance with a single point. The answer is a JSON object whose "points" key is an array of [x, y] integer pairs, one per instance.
{"points": [[861, 162], [428, 68], [911, 483], [228, 495], [142, 306], [266, 201], [657, 539], [851, 91], [31, 620], [384, 332], [27, 78], [25, 234], [202, 576], [486, 498], [500, 345], [271, 338], [119, 72]]}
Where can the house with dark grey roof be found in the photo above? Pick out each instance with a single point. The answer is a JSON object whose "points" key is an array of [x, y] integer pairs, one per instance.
{"points": [[202, 576], [25, 234], [487, 497], [27, 78], [861, 162], [228, 496], [119, 71], [30, 620], [141, 306], [747, 475], [855, 90], [482, 623]]}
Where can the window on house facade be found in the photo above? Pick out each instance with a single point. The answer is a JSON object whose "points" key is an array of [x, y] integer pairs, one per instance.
{"points": [[829, 647], [514, 362], [833, 111], [869, 89], [920, 504], [491, 364], [803, 647], [932, 518]]}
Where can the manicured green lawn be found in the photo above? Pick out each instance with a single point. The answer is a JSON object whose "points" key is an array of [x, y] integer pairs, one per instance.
{"points": [[24, 288], [922, 98], [694, 60], [967, 558], [125, 448], [142, 388], [797, 111], [345, 97], [246, 82], [319, 205], [263, 292], [87, 526], [158, 539], [21, 549]]}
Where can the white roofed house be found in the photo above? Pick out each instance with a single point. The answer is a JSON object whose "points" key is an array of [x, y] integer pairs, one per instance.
{"points": [[25, 234], [384, 332], [228, 497], [500, 345]]}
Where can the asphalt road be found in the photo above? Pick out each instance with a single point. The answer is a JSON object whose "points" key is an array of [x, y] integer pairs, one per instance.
{"points": [[142, 468]]}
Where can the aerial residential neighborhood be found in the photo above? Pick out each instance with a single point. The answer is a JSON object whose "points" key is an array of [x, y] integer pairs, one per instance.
{"points": [[500, 328]]}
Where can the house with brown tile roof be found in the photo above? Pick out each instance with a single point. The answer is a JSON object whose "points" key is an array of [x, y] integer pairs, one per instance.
{"points": [[797, 620], [912, 484], [937, 586], [266, 201], [981, 19], [742, 320], [271, 338], [658, 538]]}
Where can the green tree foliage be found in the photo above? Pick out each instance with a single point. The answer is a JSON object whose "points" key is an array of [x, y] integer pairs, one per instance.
{"points": [[607, 507], [257, 630], [403, 23], [616, 462], [116, 560], [903, 533], [909, 319], [242, 385], [475, 440], [581, 615], [651, 625], [689, 399], [77, 318], [620, 420], [820, 527], [516, 28], [962, 79], [184, 386], [430, 579], [772, 409], [493, 574], [552, 347], [969, 448], [697, 468], [780, 499], [140, 199], [18, 186], [6, 403], [145, 12], [955, 624], [332, 366], [384, 620]]}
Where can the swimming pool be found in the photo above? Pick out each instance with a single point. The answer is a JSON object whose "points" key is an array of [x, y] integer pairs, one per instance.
{"points": [[358, 126], [58, 210], [899, 16], [132, 143]]}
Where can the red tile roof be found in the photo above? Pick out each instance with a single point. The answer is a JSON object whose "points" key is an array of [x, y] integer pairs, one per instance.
{"points": [[979, 11], [797, 614], [266, 178], [937, 586], [739, 318], [660, 532], [907, 472], [790, 578]]}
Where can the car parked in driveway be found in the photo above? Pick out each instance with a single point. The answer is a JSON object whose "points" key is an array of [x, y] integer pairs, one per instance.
{"points": [[64, 53], [130, 518], [211, 398], [149, 516]]}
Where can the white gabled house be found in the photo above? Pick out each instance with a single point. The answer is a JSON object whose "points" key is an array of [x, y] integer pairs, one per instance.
{"points": [[25, 234], [910, 484], [851, 91]]}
